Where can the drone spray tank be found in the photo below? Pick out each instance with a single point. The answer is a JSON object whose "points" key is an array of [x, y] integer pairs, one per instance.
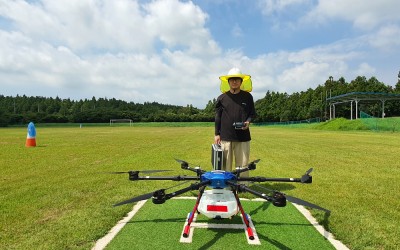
{"points": [[218, 203]]}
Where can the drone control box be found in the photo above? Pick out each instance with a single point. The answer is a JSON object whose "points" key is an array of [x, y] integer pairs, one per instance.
{"points": [[217, 157]]}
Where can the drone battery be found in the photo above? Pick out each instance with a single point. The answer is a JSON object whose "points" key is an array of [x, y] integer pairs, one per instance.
{"points": [[216, 157]]}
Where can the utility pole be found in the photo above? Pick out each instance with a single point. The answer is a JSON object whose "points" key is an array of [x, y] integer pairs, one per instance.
{"points": [[330, 96]]}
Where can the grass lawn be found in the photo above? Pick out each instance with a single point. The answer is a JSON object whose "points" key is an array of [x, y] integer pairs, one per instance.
{"points": [[55, 196], [160, 227]]}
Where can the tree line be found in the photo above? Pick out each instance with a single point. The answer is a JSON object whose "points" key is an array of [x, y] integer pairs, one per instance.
{"points": [[23, 109], [274, 107], [280, 107]]}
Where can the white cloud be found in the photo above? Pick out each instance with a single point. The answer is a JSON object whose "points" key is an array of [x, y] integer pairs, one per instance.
{"points": [[364, 15], [106, 48], [122, 25], [364, 69], [158, 51], [269, 7], [386, 38]]}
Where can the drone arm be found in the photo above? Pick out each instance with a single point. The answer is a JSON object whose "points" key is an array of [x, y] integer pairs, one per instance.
{"points": [[194, 186], [250, 166], [170, 178], [278, 199], [185, 165], [264, 179], [244, 188], [198, 171], [241, 170]]}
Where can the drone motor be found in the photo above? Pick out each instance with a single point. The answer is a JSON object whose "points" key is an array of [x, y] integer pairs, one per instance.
{"points": [[279, 199], [159, 196]]}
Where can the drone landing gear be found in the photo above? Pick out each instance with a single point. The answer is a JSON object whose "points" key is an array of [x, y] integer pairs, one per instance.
{"points": [[245, 218], [247, 224], [191, 216]]}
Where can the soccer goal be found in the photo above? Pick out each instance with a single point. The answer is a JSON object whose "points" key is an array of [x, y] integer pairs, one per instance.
{"points": [[120, 121]]}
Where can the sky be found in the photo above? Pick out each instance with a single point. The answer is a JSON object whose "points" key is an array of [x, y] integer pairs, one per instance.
{"points": [[173, 52]]}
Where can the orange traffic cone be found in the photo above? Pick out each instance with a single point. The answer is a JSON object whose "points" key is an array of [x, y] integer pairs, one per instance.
{"points": [[31, 137]]}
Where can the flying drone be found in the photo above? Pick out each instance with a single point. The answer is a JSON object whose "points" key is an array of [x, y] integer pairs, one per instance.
{"points": [[221, 200]]}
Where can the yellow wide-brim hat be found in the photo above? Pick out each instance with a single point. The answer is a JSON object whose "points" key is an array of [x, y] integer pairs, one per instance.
{"points": [[235, 72]]}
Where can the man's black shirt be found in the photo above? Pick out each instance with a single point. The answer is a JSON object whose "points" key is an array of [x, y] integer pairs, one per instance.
{"points": [[232, 108]]}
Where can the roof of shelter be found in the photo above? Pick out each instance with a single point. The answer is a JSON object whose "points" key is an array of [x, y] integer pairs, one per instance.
{"points": [[364, 96]]}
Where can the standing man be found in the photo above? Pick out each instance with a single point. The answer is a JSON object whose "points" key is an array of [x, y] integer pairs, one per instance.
{"points": [[233, 113]]}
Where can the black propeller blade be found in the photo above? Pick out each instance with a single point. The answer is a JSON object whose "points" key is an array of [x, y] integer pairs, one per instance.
{"points": [[181, 161], [309, 171], [305, 203], [297, 200], [251, 165], [306, 177], [253, 162], [137, 198], [185, 163]]}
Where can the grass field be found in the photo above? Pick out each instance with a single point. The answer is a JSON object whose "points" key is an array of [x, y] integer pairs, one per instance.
{"points": [[160, 227], [54, 196]]}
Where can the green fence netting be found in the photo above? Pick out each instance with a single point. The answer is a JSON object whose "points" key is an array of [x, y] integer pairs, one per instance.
{"points": [[380, 124], [308, 121]]}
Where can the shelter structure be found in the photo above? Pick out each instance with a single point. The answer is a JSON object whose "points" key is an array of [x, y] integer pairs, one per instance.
{"points": [[356, 97]]}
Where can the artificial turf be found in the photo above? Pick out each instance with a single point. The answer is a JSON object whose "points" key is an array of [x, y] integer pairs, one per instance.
{"points": [[160, 227]]}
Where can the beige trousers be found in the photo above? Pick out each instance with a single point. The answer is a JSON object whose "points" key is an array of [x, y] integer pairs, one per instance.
{"points": [[238, 150]]}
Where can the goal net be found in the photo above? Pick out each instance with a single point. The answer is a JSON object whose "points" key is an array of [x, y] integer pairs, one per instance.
{"points": [[114, 122]]}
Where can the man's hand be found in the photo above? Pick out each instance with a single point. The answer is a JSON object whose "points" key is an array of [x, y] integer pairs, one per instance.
{"points": [[246, 125], [217, 139]]}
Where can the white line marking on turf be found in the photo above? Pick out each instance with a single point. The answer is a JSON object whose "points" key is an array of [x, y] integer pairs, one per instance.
{"points": [[337, 244], [103, 242], [190, 236]]}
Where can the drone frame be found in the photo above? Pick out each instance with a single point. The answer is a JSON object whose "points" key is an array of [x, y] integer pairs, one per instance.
{"points": [[219, 179]]}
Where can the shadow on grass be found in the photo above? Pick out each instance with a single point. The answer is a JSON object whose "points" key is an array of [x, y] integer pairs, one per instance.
{"points": [[321, 217], [273, 242], [218, 235], [323, 220]]}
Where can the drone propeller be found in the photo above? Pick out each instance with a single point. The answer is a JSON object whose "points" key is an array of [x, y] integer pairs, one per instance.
{"points": [[181, 161], [297, 200], [138, 198], [305, 203], [307, 178], [139, 171], [156, 193], [309, 171], [185, 163], [250, 166]]}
